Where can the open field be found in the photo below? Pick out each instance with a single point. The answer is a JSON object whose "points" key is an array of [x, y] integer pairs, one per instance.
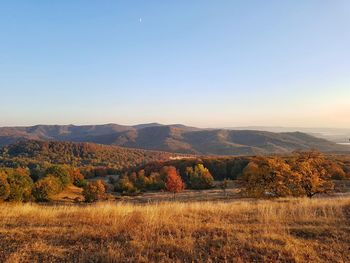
{"points": [[284, 230], [233, 192], [184, 196], [72, 193]]}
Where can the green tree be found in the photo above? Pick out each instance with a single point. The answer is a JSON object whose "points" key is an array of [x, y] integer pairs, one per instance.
{"points": [[199, 177], [20, 185], [61, 172], [237, 169], [36, 171]]}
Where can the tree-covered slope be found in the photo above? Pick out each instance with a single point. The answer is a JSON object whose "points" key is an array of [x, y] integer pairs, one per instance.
{"points": [[79, 154]]}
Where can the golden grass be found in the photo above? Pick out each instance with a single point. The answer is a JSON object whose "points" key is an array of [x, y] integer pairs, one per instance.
{"points": [[69, 195], [286, 230]]}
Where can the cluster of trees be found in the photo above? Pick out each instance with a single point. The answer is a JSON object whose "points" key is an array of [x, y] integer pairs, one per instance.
{"points": [[196, 177], [299, 174], [338, 166], [304, 174], [167, 179], [15, 185], [219, 167], [21, 185], [136, 182]]}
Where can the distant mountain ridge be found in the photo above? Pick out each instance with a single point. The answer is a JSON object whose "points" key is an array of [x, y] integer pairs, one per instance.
{"points": [[174, 138]]}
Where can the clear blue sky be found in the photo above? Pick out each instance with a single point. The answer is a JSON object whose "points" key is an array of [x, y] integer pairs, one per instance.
{"points": [[203, 63]]}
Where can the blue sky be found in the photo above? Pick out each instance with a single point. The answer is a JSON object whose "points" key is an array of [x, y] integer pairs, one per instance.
{"points": [[202, 63]]}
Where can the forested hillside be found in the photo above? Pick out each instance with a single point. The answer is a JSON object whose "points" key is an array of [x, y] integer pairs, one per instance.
{"points": [[77, 154]]}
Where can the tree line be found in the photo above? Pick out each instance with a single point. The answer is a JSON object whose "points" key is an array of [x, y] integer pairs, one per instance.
{"points": [[195, 177], [299, 174], [21, 185]]}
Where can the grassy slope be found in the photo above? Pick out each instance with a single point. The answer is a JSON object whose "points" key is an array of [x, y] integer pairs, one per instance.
{"points": [[295, 230]]}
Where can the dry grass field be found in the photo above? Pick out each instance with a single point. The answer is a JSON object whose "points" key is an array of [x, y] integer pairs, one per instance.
{"points": [[285, 230]]}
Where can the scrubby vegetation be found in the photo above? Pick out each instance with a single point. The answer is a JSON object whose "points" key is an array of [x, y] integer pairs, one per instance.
{"points": [[289, 230]]}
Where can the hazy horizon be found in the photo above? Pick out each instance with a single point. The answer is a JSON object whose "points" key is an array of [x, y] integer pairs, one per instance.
{"points": [[262, 127], [198, 63]]}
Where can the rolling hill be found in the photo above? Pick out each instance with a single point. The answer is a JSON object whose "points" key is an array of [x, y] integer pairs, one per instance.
{"points": [[175, 138], [78, 154]]}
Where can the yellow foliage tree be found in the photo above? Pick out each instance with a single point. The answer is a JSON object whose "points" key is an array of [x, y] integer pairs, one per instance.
{"points": [[302, 175], [94, 191], [270, 177], [314, 176]]}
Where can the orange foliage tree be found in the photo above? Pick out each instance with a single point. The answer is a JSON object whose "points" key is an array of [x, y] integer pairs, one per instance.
{"points": [[77, 177], [173, 182]]}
